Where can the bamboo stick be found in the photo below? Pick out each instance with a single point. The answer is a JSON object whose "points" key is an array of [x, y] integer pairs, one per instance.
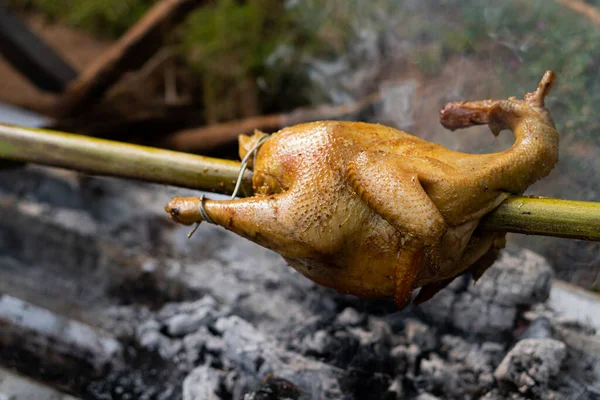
{"points": [[526, 215], [123, 160], [547, 217]]}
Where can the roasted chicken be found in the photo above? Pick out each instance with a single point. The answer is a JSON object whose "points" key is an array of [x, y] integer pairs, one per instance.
{"points": [[375, 212]]}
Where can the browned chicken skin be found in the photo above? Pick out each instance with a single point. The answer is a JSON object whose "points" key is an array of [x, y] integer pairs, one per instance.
{"points": [[375, 212]]}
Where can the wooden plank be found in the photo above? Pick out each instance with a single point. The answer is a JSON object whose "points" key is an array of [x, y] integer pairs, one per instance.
{"points": [[31, 56], [130, 52], [208, 137], [588, 10]]}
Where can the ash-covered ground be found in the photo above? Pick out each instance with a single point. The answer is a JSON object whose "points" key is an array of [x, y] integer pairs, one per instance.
{"points": [[104, 298]]}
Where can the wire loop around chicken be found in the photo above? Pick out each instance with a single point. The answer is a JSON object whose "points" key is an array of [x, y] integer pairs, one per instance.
{"points": [[251, 153]]}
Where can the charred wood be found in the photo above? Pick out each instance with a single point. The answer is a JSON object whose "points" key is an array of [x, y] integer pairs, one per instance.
{"points": [[131, 51], [31, 56]]}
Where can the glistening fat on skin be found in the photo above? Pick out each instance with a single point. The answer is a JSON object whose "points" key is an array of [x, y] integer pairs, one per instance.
{"points": [[375, 212]]}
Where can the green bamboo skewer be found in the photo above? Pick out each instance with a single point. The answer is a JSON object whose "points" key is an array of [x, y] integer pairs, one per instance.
{"points": [[518, 214], [118, 159], [547, 217]]}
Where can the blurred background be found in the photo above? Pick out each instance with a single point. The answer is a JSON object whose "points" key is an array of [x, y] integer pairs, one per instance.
{"points": [[229, 60]]}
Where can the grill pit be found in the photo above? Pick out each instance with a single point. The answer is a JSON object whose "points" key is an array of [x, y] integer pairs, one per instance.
{"points": [[103, 298]]}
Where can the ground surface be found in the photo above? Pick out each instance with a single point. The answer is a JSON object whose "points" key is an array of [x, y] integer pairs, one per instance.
{"points": [[94, 279]]}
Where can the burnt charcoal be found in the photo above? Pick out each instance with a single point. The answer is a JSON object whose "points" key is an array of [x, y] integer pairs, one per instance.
{"points": [[186, 308], [364, 384], [34, 183], [500, 394], [183, 331], [582, 364], [104, 199], [342, 349], [65, 248], [202, 340], [497, 394], [337, 349], [479, 358], [574, 326], [202, 384], [275, 389], [426, 396], [531, 364], [457, 370], [402, 359], [493, 352], [374, 348], [454, 380], [349, 317], [539, 328], [146, 376], [145, 233], [58, 339], [490, 306], [256, 354], [525, 279], [477, 315], [149, 335], [318, 344], [370, 371], [421, 334], [220, 317], [376, 333], [52, 234], [182, 324], [148, 288], [238, 384], [439, 310]]}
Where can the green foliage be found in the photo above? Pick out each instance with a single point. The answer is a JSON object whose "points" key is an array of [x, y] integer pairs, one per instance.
{"points": [[233, 38], [108, 18], [235, 44], [230, 45]]}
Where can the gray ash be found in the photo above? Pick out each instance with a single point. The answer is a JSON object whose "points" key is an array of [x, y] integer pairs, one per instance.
{"points": [[217, 317]]}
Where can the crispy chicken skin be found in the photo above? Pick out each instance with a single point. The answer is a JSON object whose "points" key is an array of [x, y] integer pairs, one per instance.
{"points": [[375, 212]]}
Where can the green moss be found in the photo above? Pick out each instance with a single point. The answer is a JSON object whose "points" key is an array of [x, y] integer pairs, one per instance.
{"points": [[228, 45]]}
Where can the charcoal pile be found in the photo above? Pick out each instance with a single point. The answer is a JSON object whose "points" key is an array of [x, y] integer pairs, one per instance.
{"points": [[103, 298]]}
